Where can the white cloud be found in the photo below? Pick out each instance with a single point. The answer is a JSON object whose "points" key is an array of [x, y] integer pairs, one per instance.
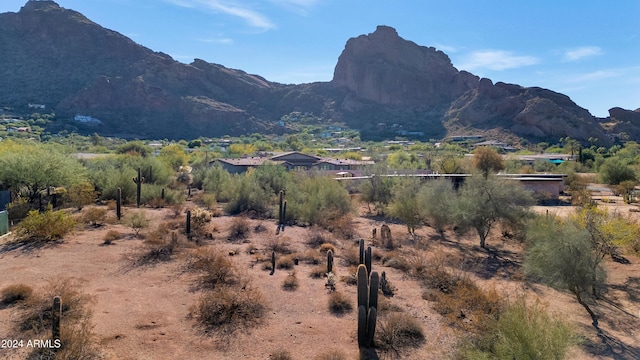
{"points": [[233, 8], [299, 6], [594, 76], [219, 40], [496, 60], [582, 52]]}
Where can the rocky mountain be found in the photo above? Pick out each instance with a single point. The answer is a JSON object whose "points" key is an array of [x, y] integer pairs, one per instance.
{"points": [[383, 85]]}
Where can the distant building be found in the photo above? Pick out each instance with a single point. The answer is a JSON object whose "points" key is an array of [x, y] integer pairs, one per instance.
{"points": [[292, 161], [86, 119], [36, 106]]}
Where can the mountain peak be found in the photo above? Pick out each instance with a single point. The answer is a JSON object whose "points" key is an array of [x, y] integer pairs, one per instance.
{"points": [[39, 5]]}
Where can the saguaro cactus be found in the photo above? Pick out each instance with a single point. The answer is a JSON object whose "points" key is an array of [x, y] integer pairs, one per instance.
{"points": [[188, 229], [282, 212], [329, 261], [361, 258], [56, 316], [273, 262], [139, 180], [367, 306], [119, 203], [367, 259]]}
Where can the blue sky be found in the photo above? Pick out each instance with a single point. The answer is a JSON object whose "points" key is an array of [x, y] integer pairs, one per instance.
{"points": [[587, 49]]}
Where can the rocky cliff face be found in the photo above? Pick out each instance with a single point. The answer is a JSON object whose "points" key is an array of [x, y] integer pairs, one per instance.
{"points": [[58, 57], [385, 69]]}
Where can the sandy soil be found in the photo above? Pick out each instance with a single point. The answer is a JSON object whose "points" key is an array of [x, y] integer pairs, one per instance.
{"points": [[141, 312]]}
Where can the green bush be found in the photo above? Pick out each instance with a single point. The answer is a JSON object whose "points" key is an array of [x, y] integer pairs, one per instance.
{"points": [[47, 226], [317, 200], [215, 180], [523, 332], [248, 196], [614, 171]]}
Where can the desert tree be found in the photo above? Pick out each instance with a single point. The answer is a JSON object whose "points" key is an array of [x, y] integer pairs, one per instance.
{"points": [[560, 253], [486, 160], [607, 232], [437, 199], [484, 202], [377, 189], [32, 169], [614, 171], [405, 205]]}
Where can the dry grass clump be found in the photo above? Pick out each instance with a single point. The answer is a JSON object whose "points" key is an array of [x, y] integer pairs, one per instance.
{"points": [[285, 262], [398, 331], [94, 216], [279, 244], [214, 267], [228, 309], [36, 316], [318, 271], [290, 282], [316, 237], [280, 355], [350, 257], [331, 355], [239, 229], [324, 248], [157, 249], [111, 236], [15, 293], [339, 303], [311, 257], [457, 297], [396, 260], [76, 337]]}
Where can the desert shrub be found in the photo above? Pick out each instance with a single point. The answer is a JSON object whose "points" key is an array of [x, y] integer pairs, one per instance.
{"points": [[239, 229], [317, 200], [290, 283], [49, 225], [15, 293], [76, 337], [199, 220], [324, 248], [614, 171], [215, 180], [111, 236], [152, 195], [317, 237], [81, 194], [36, 316], [405, 205], [272, 177], [523, 332], [395, 260], [318, 271], [280, 355], [214, 267], [350, 257], [209, 200], [94, 216], [331, 355], [137, 221], [437, 199], [312, 257], [285, 262], [226, 309], [279, 244], [160, 249], [248, 196], [398, 331], [339, 303]]}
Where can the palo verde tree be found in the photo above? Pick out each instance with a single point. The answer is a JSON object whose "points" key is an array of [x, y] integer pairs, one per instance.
{"points": [[560, 254], [30, 169], [437, 200], [405, 205], [485, 201]]}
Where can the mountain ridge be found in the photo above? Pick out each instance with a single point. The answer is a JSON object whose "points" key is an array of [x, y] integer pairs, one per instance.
{"points": [[60, 58]]}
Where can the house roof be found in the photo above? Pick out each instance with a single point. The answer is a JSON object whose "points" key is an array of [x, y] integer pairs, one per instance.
{"points": [[345, 161]]}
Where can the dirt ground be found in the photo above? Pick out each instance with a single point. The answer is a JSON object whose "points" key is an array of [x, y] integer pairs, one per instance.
{"points": [[141, 312]]}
